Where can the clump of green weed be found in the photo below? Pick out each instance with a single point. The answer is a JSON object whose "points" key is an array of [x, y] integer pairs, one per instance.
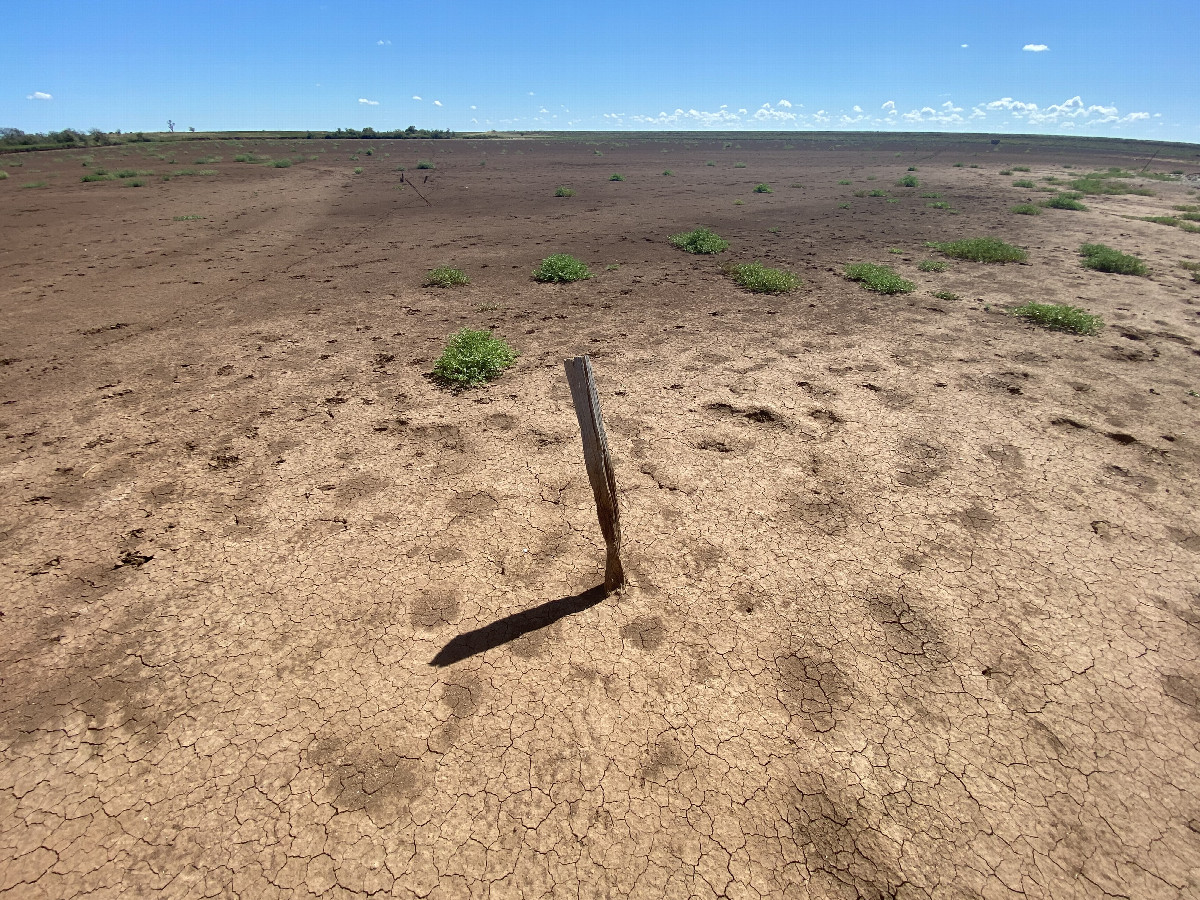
{"points": [[1027, 209], [3, 174], [845, 181], [759, 279], [282, 163], [668, 172], [561, 267], [445, 276], [1106, 259], [881, 279], [912, 168], [959, 165], [246, 158], [739, 165], [1110, 182], [34, 184], [425, 164], [1020, 168], [763, 189], [928, 196], [358, 170], [908, 181], [1193, 267], [1058, 317], [135, 182], [1006, 171], [701, 240], [473, 358], [991, 250], [1024, 183], [939, 204], [946, 295], [877, 193], [561, 191], [1066, 200], [895, 250], [932, 265], [710, 163], [97, 176], [616, 176], [843, 206], [185, 218]]}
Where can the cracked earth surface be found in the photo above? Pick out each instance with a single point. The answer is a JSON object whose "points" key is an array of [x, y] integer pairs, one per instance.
{"points": [[913, 609]]}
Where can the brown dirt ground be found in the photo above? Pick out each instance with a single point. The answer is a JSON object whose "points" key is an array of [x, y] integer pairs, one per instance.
{"points": [[914, 607]]}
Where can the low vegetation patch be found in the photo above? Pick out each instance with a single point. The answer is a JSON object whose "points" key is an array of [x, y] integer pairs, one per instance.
{"points": [[616, 177], [908, 181], [473, 358], [3, 174], [1066, 200], [668, 172], [281, 163], [1006, 171], [1024, 183], [939, 204], [561, 191], [445, 276], [763, 189], [358, 170], [845, 181], [760, 279], [1174, 222], [1058, 317], [34, 184], [739, 165], [425, 164], [880, 279], [1027, 209], [1106, 259], [946, 295], [185, 218], [561, 267], [991, 250], [1193, 267], [1020, 168], [932, 265], [701, 240], [97, 176], [1110, 182]]}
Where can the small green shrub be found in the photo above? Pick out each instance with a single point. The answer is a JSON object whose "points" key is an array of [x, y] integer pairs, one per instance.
{"points": [[881, 279], [1027, 209], [931, 196], [1107, 183], [245, 158], [3, 174], [206, 160], [739, 165], [358, 170], [186, 218], [1024, 183], [97, 176], [1006, 171], [473, 358], [932, 265], [759, 279], [845, 181], [991, 250], [946, 295], [1106, 259], [1020, 168], [561, 191], [912, 168], [370, 151], [282, 163], [561, 267], [668, 172], [710, 163], [1065, 201], [843, 206], [616, 177], [34, 184], [1058, 317], [701, 240], [445, 276], [763, 189], [1193, 267], [908, 181], [877, 193], [130, 173], [958, 165], [939, 204], [895, 250], [425, 164], [135, 182]]}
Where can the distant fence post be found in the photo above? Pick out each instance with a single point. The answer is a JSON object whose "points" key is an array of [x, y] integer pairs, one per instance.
{"points": [[599, 464]]}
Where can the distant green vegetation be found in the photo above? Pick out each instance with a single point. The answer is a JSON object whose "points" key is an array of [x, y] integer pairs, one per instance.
{"points": [[561, 191], [97, 176], [34, 184], [1066, 200], [1024, 183], [1173, 221], [1020, 168], [1106, 259], [930, 196], [946, 295], [281, 163], [1006, 171], [445, 276], [3, 174], [932, 265], [1059, 317], [763, 189], [940, 204], [1110, 182], [473, 358], [845, 181], [561, 267], [908, 181], [991, 250], [358, 170], [616, 177], [425, 164], [759, 279], [739, 165], [1193, 267], [701, 240], [668, 172], [881, 279], [1027, 209], [186, 218]]}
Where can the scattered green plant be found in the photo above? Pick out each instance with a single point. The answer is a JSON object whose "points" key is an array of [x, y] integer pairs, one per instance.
{"points": [[931, 196], [939, 204], [945, 295], [774, 230], [760, 279], [1193, 267], [912, 168], [1059, 317], [845, 181], [370, 151], [206, 160], [739, 202], [1024, 183], [425, 164], [473, 358], [896, 251], [668, 172], [1027, 209], [1006, 171], [616, 177], [990, 250], [135, 183], [561, 267], [881, 279], [562, 191], [97, 176], [700, 240], [710, 163], [282, 163], [445, 276], [1020, 168], [1066, 200], [34, 184], [739, 165], [1106, 259], [186, 218], [932, 265], [908, 181], [3, 174], [843, 206], [763, 189], [959, 165], [611, 267]]}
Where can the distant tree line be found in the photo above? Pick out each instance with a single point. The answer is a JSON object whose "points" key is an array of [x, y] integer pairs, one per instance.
{"points": [[15, 137], [412, 131]]}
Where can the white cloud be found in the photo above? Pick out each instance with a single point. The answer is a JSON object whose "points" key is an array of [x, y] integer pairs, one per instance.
{"points": [[415, 97], [543, 110], [474, 107], [786, 104], [964, 46], [857, 109], [437, 102], [368, 102], [39, 95], [531, 93], [890, 106], [383, 43], [1035, 48]]}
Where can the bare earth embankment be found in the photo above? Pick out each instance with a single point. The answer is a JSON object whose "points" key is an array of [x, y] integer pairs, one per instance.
{"points": [[914, 605]]}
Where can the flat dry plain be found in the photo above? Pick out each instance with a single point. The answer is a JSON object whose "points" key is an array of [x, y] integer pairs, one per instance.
{"points": [[913, 610]]}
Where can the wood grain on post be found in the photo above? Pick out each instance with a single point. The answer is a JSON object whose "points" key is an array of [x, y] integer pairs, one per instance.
{"points": [[599, 464]]}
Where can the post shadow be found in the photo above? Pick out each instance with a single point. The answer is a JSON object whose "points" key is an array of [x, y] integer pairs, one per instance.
{"points": [[512, 627]]}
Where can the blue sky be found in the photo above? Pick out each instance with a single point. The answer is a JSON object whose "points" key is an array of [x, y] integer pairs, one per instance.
{"points": [[1098, 68]]}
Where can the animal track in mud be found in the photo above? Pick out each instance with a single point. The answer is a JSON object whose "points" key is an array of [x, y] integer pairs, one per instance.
{"points": [[758, 414], [921, 462]]}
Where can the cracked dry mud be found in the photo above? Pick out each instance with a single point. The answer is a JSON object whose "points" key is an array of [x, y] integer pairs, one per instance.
{"points": [[913, 612]]}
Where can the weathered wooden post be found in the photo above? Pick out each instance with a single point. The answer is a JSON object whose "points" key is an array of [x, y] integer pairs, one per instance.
{"points": [[599, 464]]}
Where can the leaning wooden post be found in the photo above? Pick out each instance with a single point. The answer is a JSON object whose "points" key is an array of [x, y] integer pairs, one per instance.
{"points": [[598, 462]]}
